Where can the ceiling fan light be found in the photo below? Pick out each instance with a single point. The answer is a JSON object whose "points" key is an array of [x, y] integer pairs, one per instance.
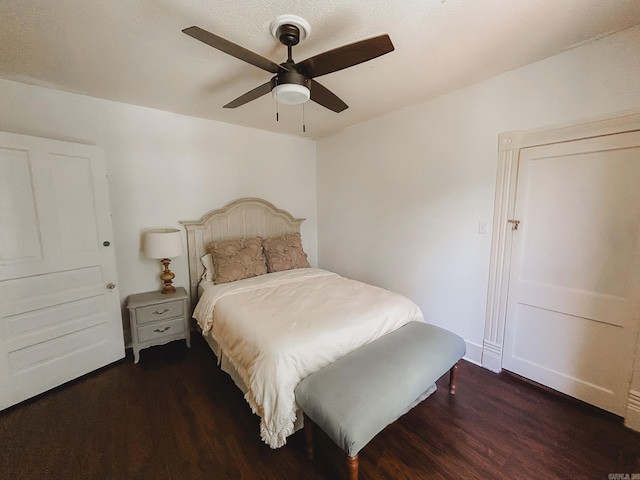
{"points": [[290, 94]]}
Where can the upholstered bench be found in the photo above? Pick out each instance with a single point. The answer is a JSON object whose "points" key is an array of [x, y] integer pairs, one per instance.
{"points": [[357, 396]]}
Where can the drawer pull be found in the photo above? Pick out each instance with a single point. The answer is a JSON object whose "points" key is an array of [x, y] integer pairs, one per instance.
{"points": [[160, 330], [162, 312]]}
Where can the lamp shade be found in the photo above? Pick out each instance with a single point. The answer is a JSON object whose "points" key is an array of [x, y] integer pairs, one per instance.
{"points": [[163, 243]]}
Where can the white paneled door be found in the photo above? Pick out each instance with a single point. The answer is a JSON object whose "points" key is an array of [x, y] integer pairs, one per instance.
{"points": [[573, 305], [59, 305]]}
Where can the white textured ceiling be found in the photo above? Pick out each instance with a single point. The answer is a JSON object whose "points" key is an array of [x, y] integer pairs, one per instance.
{"points": [[133, 51]]}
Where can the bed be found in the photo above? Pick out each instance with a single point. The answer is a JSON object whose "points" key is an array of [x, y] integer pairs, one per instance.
{"points": [[274, 326]]}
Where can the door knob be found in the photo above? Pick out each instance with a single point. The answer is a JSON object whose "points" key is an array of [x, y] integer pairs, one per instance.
{"points": [[111, 286]]}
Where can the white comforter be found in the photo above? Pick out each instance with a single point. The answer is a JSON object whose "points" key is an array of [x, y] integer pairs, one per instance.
{"points": [[278, 328]]}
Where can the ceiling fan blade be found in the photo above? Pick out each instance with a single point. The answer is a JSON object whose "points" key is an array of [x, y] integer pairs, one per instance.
{"points": [[232, 49], [326, 98], [345, 56], [250, 95]]}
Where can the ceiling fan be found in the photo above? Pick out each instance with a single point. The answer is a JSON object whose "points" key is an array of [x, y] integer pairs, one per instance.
{"points": [[293, 82]]}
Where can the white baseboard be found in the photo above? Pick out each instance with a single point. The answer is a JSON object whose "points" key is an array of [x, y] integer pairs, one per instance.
{"points": [[492, 356], [632, 417], [474, 353]]}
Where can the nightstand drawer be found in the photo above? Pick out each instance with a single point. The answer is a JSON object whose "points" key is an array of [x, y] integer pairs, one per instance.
{"points": [[160, 330], [160, 311]]}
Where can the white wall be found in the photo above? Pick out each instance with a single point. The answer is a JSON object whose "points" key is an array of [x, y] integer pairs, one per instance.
{"points": [[400, 197], [164, 168]]}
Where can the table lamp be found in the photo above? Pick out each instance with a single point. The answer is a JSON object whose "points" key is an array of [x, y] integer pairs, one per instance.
{"points": [[165, 244]]}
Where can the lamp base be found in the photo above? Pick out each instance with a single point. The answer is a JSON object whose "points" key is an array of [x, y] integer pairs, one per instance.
{"points": [[167, 276]]}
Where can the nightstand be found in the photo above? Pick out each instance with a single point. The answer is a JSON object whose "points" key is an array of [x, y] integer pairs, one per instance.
{"points": [[158, 318]]}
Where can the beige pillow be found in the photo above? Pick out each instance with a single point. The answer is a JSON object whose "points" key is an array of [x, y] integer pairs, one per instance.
{"points": [[285, 253], [237, 258]]}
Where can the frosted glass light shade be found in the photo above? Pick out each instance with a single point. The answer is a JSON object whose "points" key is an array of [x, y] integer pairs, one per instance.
{"points": [[290, 94], [163, 243]]}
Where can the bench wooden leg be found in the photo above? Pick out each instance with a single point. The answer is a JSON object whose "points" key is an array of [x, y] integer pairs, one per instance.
{"points": [[352, 467], [308, 436], [453, 378]]}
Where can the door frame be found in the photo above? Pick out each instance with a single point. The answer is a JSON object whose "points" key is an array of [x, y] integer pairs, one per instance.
{"points": [[509, 147]]}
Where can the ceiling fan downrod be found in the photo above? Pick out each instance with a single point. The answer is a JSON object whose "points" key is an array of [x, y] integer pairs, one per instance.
{"points": [[288, 35]]}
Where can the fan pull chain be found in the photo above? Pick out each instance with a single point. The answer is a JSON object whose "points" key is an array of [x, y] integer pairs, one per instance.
{"points": [[304, 127], [277, 109]]}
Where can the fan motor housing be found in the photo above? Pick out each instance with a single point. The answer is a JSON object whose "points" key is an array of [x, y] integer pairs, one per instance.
{"points": [[290, 77]]}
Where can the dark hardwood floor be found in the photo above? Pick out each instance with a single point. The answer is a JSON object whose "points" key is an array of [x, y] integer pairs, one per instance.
{"points": [[175, 415]]}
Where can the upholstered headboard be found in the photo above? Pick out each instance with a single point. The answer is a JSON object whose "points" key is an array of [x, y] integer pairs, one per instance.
{"points": [[243, 218]]}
